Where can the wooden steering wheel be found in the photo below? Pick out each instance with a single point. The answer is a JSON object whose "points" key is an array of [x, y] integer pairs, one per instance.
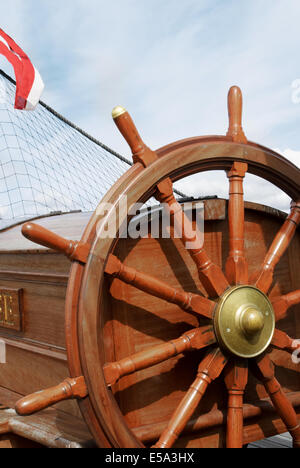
{"points": [[236, 325]]}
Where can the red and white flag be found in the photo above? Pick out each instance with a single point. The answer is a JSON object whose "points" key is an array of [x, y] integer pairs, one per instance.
{"points": [[29, 82]]}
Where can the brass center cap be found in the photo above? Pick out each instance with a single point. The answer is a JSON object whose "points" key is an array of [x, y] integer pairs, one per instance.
{"points": [[252, 321], [244, 321]]}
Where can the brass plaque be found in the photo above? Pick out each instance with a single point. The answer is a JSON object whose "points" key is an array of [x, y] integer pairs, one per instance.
{"points": [[11, 314]]}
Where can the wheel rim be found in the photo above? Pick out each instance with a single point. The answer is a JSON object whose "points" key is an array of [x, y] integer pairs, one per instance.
{"points": [[183, 158]]}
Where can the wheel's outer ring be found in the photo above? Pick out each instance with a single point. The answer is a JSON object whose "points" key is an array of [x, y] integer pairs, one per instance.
{"points": [[83, 320]]}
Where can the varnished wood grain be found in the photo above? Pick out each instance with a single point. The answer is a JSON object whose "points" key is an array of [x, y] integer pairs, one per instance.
{"points": [[277, 249], [235, 108], [216, 419], [213, 241], [26, 372], [283, 341], [282, 304], [50, 428], [91, 330], [192, 340], [236, 379], [236, 264], [72, 249], [132, 321], [150, 284], [266, 371], [67, 390], [210, 369], [210, 274]]}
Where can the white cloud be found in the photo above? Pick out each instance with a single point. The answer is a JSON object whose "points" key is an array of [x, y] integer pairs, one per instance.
{"points": [[291, 155], [171, 64]]}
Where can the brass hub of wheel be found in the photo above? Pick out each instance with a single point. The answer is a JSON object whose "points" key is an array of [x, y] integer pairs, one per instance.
{"points": [[244, 321]]}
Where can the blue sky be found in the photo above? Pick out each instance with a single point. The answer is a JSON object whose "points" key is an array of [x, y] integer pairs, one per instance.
{"points": [[170, 63]]}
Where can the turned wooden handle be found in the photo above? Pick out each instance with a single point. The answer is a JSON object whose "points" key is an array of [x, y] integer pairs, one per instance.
{"points": [[70, 388], [235, 109], [128, 129], [40, 235], [140, 151]]}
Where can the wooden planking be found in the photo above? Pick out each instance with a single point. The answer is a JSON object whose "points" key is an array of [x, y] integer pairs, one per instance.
{"points": [[27, 371], [264, 369], [293, 255], [215, 418], [255, 429], [68, 225], [43, 309], [209, 370], [264, 276], [36, 357], [45, 264], [72, 226], [50, 428], [45, 350], [43, 279]]}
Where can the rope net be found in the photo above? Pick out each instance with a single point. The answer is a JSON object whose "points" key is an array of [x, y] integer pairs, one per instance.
{"points": [[47, 164]]}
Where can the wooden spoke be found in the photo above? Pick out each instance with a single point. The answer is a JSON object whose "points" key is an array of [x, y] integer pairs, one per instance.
{"points": [[236, 265], [187, 301], [39, 235], [283, 341], [263, 279], [69, 389], [235, 108], [265, 371], [283, 303], [210, 274], [195, 339], [236, 379], [209, 370]]}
